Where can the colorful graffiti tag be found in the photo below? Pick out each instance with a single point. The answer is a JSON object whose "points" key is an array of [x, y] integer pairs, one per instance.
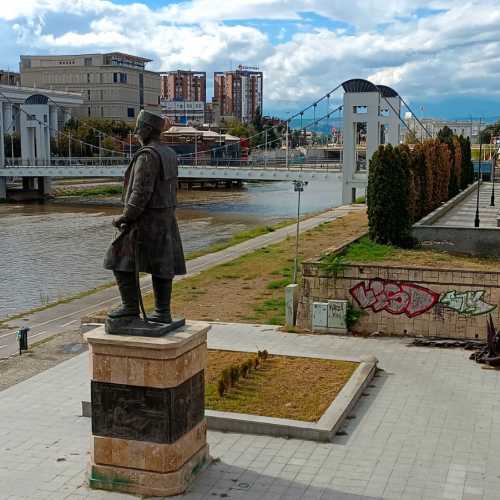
{"points": [[469, 303], [413, 300], [395, 298]]}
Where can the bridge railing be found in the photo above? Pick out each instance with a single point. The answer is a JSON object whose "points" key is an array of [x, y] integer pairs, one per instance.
{"points": [[111, 161], [260, 163]]}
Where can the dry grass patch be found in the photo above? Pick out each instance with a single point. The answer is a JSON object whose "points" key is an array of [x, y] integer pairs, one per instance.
{"points": [[249, 289], [284, 387]]}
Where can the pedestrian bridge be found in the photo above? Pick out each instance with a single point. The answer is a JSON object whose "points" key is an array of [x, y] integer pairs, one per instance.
{"points": [[325, 171]]}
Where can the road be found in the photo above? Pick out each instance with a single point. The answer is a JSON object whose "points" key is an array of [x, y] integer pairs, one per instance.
{"points": [[62, 317]]}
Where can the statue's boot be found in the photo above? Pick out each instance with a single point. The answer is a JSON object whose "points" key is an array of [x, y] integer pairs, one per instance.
{"points": [[163, 293], [129, 294]]}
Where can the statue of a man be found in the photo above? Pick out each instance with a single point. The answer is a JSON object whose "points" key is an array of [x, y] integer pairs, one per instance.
{"points": [[149, 239]]}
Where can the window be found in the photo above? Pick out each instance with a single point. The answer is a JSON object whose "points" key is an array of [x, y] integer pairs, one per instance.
{"points": [[26, 63], [88, 77], [88, 94], [87, 61], [115, 77], [101, 78], [102, 95], [360, 110], [88, 111], [102, 112], [383, 112], [130, 112], [123, 77]]}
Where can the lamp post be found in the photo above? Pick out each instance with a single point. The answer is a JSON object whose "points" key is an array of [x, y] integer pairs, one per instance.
{"points": [[476, 219], [298, 187], [493, 165]]}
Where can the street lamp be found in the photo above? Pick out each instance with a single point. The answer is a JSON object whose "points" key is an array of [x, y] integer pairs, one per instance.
{"points": [[493, 164], [476, 219], [298, 187]]}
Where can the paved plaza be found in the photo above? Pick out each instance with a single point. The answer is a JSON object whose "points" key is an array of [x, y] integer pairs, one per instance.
{"points": [[464, 213], [428, 427]]}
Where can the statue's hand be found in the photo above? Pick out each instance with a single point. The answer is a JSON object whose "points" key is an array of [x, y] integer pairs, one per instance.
{"points": [[119, 222]]}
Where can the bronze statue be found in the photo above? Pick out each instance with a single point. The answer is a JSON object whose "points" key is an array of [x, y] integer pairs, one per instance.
{"points": [[149, 239]]}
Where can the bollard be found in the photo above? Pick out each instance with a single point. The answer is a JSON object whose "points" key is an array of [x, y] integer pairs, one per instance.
{"points": [[22, 338]]}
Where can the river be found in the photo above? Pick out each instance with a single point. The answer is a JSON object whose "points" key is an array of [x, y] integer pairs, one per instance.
{"points": [[53, 250]]}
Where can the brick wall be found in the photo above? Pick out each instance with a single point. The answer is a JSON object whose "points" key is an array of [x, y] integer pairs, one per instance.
{"points": [[407, 300]]}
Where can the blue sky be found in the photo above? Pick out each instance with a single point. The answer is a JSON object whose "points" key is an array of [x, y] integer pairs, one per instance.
{"points": [[439, 54]]}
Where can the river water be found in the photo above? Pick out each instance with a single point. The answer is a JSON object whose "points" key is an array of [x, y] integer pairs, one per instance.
{"points": [[49, 251]]}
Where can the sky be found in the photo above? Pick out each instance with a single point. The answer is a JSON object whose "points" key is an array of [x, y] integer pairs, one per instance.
{"points": [[442, 56]]}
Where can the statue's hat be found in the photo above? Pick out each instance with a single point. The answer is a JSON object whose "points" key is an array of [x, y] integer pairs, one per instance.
{"points": [[156, 122]]}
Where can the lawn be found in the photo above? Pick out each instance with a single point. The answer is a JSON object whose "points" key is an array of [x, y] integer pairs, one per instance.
{"points": [[283, 386]]}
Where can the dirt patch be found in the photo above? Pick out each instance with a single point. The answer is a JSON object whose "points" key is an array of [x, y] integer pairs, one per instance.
{"points": [[283, 387], [250, 288], [41, 356]]}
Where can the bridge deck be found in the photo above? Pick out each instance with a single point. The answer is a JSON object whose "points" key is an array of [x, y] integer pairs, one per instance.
{"points": [[302, 172]]}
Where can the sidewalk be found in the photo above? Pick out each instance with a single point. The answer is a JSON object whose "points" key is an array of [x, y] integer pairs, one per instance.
{"points": [[63, 317], [428, 428]]}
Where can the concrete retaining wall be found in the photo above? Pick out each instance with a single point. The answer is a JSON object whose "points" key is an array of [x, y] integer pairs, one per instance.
{"points": [[479, 242], [405, 300]]}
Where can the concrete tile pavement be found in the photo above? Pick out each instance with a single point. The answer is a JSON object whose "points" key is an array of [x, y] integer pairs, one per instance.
{"points": [[426, 429]]}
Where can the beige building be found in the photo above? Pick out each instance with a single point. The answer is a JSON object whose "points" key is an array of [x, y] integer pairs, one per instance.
{"points": [[113, 85]]}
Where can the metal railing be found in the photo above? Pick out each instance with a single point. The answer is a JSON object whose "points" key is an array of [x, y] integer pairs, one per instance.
{"points": [[299, 163]]}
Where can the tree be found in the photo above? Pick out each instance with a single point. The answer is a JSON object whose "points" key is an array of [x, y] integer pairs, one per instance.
{"points": [[388, 189], [467, 168], [257, 122]]}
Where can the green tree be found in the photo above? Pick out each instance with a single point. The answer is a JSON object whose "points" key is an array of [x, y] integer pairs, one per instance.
{"points": [[467, 168], [388, 190]]}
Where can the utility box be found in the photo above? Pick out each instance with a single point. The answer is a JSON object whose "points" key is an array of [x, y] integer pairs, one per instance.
{"points": [[329, 317]]}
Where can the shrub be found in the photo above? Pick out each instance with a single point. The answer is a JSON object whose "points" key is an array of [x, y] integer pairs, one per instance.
{"points": [[221, 388], [234, 374], [226, 377], [256, 363]]}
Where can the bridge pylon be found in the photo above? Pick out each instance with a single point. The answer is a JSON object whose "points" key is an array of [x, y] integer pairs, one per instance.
{"points": [[371, 117]]}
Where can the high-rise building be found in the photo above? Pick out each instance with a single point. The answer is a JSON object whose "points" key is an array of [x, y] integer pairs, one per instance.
{"points": [[183, 85], [9, 78], [113, 85], [183, 96], [239, 92]]}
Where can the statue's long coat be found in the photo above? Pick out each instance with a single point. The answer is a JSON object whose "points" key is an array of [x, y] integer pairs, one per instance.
{"points": [[149, 189]]}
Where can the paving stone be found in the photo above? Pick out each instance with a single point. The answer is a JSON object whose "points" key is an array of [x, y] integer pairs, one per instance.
{"points": [[428, 430]]}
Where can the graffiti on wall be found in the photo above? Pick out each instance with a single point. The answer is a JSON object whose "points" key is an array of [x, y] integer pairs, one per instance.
{"points": [[469, 303], [411, 299], [395, 298]]}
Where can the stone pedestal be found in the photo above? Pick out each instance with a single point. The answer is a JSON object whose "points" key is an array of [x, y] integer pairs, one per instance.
{"points": [[148, 410]]}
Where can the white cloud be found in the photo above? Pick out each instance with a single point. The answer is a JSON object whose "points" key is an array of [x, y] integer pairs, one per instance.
{"points": [[452, 52]]}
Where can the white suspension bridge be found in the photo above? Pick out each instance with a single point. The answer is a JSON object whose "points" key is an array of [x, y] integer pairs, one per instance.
{"points": [[371, 116]]}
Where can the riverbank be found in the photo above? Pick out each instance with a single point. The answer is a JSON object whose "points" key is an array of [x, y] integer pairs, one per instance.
{"points": [[244, 282]]}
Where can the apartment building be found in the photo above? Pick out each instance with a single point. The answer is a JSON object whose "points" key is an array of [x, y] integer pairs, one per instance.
{"points": [[113, 85], [183, 96], [183, 85], [239, 92]]}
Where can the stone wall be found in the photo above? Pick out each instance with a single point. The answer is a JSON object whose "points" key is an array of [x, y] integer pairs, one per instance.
{"points": [[406, 300]]}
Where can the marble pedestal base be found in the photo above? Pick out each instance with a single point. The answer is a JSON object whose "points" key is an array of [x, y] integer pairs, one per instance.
{"points": [[148, 420]]}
